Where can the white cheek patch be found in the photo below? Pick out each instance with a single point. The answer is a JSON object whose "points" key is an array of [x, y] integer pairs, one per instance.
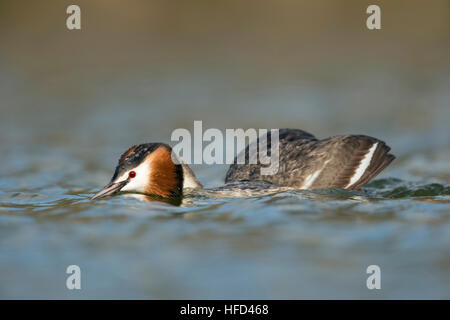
{"points": [[140, 181]]}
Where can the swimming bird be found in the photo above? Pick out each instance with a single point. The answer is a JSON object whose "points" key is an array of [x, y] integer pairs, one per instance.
{"points": [[305, 162]]}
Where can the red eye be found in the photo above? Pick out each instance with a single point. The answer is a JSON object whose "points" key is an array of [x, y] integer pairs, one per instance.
{"points": [[132, 174]]}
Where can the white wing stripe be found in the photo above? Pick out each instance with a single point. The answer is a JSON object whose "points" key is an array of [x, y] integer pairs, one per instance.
{"points": [[312, 177], [363, 165]]}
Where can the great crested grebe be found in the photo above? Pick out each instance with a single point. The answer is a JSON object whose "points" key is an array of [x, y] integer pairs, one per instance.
{"points": [[346, 162]]}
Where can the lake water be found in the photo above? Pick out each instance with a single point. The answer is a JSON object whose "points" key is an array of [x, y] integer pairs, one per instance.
{"points": [[72, 103]]}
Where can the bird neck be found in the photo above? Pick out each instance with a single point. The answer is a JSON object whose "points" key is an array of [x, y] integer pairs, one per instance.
{"points": [[166, 177]]}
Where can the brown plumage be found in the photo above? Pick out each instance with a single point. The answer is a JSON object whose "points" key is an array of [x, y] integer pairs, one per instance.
{"points": [[147, 169], [166, 178], [380, 160], [348, 162], [334, 161]]}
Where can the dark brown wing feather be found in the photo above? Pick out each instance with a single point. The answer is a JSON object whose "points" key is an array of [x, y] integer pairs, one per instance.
{"points": [[344, 156], [301, 155], [294, 145], [380, 160]]}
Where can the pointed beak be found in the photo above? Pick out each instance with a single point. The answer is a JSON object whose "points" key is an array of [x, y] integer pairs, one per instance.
{"points": [[110, 189]]}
